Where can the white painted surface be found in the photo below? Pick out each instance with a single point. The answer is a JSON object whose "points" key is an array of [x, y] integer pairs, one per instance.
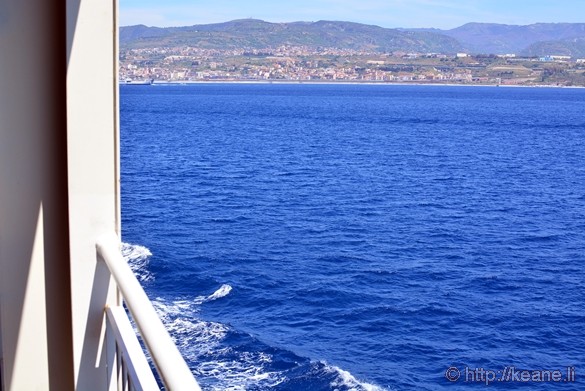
{"points": [[34, 280], [48, 49], [92, 179]]}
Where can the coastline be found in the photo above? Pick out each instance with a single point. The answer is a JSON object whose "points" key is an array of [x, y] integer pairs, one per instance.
{"points": [[343, 82]]}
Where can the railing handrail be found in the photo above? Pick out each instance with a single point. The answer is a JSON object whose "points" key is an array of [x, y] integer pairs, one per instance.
{"points": [[169, 362]]}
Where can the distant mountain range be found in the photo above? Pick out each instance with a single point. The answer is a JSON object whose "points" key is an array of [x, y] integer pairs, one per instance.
{"points": [[475, 38], [535, 39]]}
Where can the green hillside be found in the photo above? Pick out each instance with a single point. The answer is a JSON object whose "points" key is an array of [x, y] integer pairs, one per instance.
{"points": [[257, 34]]}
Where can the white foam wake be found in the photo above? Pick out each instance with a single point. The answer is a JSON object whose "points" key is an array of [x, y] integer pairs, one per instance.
{"points": [[137, 257], [346, 380], [221, 367], [201, 341], [223, 291]]}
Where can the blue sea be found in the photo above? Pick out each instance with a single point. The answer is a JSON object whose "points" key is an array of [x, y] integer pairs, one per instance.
{"points": [[361, 237]]}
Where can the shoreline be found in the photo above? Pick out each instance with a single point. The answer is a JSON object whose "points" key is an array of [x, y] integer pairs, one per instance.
{"points": [[344, 82]]}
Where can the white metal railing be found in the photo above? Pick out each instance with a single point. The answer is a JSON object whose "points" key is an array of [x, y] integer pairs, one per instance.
{"points": [[134, 371]]}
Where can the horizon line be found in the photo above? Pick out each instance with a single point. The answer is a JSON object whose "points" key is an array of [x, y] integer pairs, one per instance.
{"points": [[348, 21]]}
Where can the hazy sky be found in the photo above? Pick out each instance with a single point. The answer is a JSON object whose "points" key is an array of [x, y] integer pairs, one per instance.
{"points": [[386, 13]]}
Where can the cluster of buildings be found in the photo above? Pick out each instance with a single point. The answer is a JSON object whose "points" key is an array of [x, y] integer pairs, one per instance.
{"points": [[300, 63]]}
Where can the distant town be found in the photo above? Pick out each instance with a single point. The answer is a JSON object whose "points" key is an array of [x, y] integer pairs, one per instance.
{"points": [[306, 64]]}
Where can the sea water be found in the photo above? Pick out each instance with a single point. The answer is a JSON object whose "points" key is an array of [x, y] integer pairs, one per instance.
{"points": [[360, 237]]}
